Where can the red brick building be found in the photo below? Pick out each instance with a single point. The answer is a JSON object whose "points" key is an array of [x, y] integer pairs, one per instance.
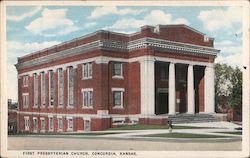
{"points": [[106, 79]]}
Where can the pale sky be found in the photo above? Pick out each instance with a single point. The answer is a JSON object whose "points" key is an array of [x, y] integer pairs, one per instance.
{"points": [[32, 28]]}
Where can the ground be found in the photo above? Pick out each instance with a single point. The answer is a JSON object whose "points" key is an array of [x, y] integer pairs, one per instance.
{"points": [[212, 136], [64, 143]]}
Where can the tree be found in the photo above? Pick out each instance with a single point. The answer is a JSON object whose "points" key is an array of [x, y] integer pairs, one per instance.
{"points": [[228, 87], [236, 90]]}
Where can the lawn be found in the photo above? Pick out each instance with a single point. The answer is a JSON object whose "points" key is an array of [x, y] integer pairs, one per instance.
{"points": [[183, 135], [144, 127], [238, 132]]}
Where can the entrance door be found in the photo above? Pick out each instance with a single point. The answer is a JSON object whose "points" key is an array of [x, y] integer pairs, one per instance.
{"points": [[163, 103]]}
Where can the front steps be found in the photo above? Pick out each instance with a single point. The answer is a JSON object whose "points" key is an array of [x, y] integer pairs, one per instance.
{"points": [[192, 118]]}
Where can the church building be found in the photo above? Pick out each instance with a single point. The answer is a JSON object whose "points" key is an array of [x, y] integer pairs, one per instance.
{"points": [[106, 79]]}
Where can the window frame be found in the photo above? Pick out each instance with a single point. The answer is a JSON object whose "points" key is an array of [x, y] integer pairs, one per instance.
{"points": [[25, 80], [35, 88], [87, 70], [42, 120], [60, 119], [25, 100], [121, 91], [68, 86], [43, 89], [60, 86], [69, 128], [51, 125], [90, 101], [35, 119], [26, 123], [51, 89], [120, 75]]}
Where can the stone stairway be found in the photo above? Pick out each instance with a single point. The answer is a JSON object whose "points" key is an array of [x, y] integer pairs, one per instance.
{"points": [[191, 118]]}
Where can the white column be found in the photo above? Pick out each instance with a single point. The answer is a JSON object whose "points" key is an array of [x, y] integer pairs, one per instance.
{"points": [[190, 88], [147, 70], [209, 90], [171, 92]]}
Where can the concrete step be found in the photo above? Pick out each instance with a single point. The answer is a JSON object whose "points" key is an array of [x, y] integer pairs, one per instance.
{"points": [[191, 118]]}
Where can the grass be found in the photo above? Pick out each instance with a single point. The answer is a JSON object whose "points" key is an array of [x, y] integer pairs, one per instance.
{"points": [[144, 127], [183, 135], [238, 132], [79, 134]]}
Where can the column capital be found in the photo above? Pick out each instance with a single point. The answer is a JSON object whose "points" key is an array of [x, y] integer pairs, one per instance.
{"points": [[210, 66], [172, 62], [147, 58]]}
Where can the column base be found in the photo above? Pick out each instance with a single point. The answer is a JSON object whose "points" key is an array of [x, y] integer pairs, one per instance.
{"points": [[191, 113]]}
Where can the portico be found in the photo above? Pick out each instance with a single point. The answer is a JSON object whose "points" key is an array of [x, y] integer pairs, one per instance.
{"points": [[173, 86]]}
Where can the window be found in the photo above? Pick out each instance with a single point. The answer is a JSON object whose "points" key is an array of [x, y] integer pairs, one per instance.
{"points": [[164, 73], [60, 124], [26, 123], [60, 87], [42, 124], [35, 124], [87, 98], [118, 97], [43, 96], [51, 124], [26, 80], [25, 100], [35, 90], [86, 70], [70, 124], [70, 86], [51, 88], [117, 70]]}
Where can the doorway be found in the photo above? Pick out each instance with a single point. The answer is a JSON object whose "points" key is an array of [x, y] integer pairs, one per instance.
{"points": [[162, 101], [87, 125]]}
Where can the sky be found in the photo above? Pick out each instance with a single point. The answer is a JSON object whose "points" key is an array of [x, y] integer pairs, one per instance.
{"points": [[32, 28]]}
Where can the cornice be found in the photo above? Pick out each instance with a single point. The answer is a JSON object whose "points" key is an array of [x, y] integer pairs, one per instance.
{"points": [[153, 43]]}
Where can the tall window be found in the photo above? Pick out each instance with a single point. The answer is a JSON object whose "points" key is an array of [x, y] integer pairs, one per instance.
{"points": [[51, 88], [43, 96], [60, 124], [70, 124], [86, 70], [70, 86], [60, 87], [26, 80], [164, 72], [35, 90], [117, 70], [87, 98], [35, 124], [42, 124], [25, 100], [118, 97], [51, 124], [26, 123]]}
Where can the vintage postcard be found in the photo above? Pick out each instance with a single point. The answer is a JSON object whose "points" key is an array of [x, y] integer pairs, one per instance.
{"points": [[124, 79]]}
